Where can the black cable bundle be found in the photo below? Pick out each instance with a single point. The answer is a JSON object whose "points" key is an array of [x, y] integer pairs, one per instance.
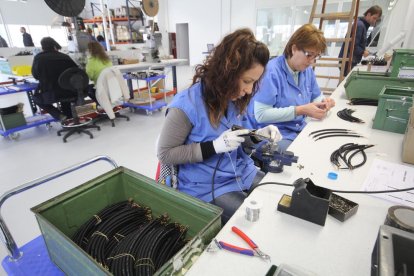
{"points": [[378, 61], [352, 150], [333, 132], [363, 101], [346, 114], [83, 234], [97, 245]]}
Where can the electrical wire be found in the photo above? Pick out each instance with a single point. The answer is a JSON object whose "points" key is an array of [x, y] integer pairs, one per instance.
{"points": [[346, 114], [363, 101], [214, 176], [336, 191]]}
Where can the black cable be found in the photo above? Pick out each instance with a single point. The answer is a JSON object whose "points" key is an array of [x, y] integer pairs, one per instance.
{"points": [[346, 114], [337, 191], [268, 183], [339, 135], [214, 176], [363, 101], [329, 129]]}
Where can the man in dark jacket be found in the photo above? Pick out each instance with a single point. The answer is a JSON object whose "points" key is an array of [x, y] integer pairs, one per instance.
{"points": [[27, 38], [369, 19], [47, 67]]}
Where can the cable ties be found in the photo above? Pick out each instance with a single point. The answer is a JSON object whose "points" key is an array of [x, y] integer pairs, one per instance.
{"points": [[120, 256], [145, 262], [98, 219], [100, 234]]}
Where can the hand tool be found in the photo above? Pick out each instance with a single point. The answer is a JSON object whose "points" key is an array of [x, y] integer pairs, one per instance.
{"points": [[255, 252]]}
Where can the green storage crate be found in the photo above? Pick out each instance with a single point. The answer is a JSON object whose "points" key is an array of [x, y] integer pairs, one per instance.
{"points": [[393, 109], [403, 63], [10, 121], [369, 85], [61, 216]]}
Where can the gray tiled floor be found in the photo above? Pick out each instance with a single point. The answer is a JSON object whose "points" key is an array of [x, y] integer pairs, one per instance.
{"points": [[39, 152]]}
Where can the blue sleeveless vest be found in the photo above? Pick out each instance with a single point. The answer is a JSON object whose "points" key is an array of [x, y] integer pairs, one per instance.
{"points": [[235, 169]]}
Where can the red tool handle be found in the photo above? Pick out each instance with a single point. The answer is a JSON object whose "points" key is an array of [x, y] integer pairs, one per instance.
{"points": [[236, 249], [244, 237]]}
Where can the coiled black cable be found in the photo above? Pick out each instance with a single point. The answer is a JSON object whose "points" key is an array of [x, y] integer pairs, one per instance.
{"points": [[346, 114], [342, 154], [363, 101]]}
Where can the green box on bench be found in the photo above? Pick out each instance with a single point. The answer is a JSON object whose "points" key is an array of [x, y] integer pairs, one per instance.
{"points": [[403, 63], [13, 120], [369, 85], [61, 216], [393, 109]]}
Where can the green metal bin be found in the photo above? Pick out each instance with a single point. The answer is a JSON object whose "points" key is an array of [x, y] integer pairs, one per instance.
{"points": [[61, 216], [402, 63], [393, 109], [369, 85]]}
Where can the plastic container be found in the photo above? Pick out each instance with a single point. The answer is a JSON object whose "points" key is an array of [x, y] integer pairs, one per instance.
{"points": [[61, 216], [369, 85], [393, 109]]}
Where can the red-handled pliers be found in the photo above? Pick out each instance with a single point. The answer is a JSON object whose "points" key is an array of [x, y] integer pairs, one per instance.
{"points": [[255, 252]]}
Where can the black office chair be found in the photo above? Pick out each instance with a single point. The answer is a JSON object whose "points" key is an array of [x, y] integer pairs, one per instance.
{"points": [[75, 79]]}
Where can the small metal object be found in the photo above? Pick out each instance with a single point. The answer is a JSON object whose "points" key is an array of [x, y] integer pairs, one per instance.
{"points": [[253, 210]]}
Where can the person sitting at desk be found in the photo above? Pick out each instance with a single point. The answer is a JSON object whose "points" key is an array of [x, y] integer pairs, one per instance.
{"points": [[97, 62], [47, 67], [289, 92], [197, 135]]}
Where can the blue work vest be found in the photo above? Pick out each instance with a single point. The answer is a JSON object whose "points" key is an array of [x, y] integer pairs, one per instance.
{"points": [[196, 178], [279, 89]]}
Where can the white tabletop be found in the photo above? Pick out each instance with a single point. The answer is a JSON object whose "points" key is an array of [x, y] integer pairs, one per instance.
{"points": [[338, 248], [148, 65]]}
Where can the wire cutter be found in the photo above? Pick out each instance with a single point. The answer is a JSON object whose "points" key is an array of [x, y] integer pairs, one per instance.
{"points": [[255, 251]]}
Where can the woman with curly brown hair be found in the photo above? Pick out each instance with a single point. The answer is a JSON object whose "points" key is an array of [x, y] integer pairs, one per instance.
{"points": [[197, 134]]}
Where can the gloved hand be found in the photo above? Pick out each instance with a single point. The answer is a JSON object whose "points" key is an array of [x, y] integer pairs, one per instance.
{"points": [[229, 140], [270, 131]]}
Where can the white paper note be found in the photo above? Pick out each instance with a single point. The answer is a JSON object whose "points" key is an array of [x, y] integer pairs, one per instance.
{"points": [[385, 175]]}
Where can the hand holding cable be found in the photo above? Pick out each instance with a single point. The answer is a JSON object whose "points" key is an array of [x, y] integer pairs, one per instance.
{"points": [[315, 110], [229, 140]]}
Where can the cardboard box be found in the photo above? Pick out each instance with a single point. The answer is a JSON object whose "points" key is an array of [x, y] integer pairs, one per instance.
{"points": [[408, 142]]}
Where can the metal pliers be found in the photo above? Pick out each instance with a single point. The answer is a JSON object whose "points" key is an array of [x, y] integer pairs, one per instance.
{"points": [[255, 252]]}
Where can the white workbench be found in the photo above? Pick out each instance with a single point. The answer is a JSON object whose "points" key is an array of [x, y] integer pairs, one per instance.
{"points": [[338, 248]]}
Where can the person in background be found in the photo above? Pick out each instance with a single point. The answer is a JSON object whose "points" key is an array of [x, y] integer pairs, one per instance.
{"points": [[289, 92], [3, 43], [47, 68], [197, 134], [97, 61], [27, 38], [90, 33], [370, 18], [101, 41]]}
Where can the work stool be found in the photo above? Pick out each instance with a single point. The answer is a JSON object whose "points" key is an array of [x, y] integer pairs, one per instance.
{"points": [[101, 115], [75, 79]]}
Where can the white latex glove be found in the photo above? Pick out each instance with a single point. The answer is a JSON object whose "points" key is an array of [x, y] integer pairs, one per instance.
{"points": [[229, 140], [271, 132]]}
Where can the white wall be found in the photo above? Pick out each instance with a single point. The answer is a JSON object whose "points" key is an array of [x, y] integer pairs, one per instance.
{"points": [[34, 12], [208, 21]]}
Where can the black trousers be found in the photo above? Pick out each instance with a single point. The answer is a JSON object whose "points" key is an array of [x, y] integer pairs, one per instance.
{"points": [[56, 112]]}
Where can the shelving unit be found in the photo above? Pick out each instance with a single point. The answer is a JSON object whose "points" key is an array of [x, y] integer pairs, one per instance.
{"points": [[148, 101], [130, 19]]}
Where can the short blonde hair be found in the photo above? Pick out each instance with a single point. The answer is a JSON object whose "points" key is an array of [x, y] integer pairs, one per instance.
{"points": [[307, 36]]}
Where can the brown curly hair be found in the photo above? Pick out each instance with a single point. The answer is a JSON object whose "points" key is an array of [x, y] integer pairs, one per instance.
{"points": [[221, 71], [97, 51]]}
